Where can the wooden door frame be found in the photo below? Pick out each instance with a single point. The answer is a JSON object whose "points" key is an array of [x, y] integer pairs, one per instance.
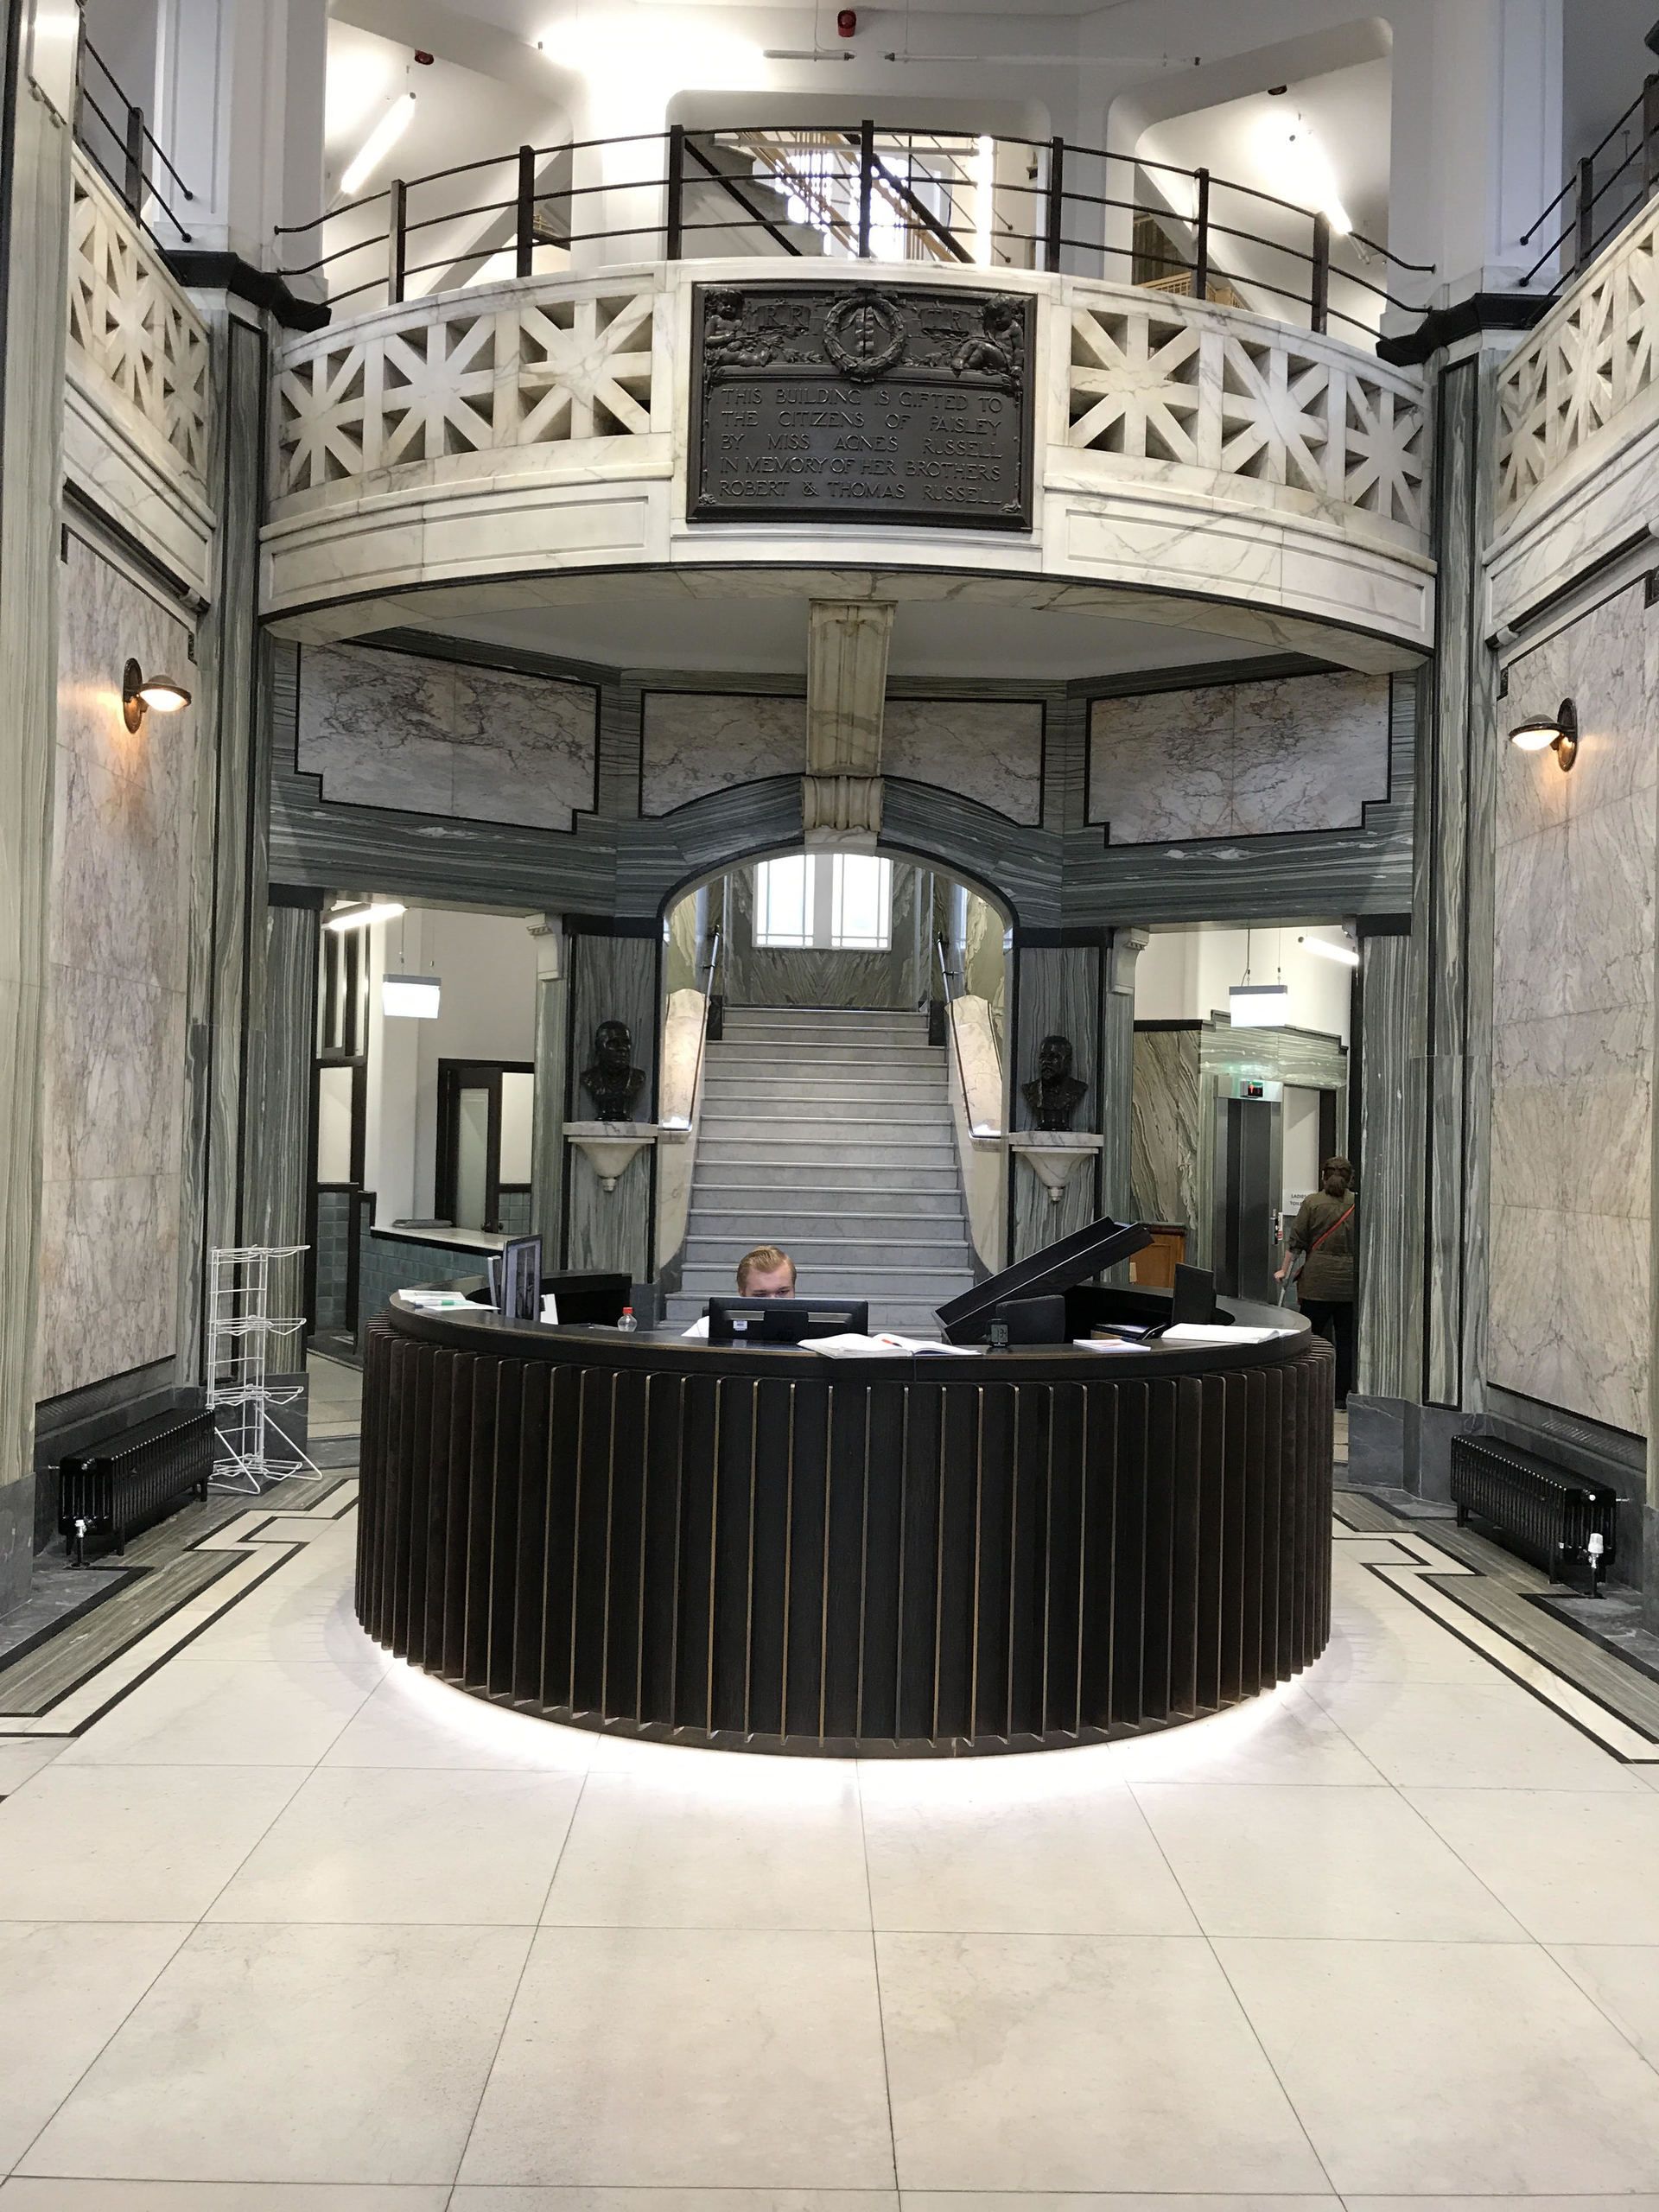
{"points": [[454, 1077]]}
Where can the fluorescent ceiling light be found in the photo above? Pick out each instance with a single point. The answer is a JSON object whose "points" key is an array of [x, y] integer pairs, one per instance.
{"points": [[359, 917], [415, 997], [379, 144], [1259, 1006], [1328, 949]]}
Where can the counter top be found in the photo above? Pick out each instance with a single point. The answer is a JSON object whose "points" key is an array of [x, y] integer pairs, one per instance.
{"points": [[444, 1240], [667, 1350]]}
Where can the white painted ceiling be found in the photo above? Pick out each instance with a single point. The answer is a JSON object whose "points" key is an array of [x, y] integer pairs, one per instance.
{"points": [[752, 635]]}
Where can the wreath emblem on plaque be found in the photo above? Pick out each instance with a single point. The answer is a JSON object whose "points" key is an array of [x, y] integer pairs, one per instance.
{"points": [[865, 336]]}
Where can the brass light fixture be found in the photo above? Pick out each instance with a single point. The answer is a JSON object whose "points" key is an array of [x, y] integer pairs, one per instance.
{"points": [[1557, 733], [139, 693]]}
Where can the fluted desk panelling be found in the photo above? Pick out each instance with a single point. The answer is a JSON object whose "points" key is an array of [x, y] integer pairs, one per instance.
{"points": [[770, 1551]]}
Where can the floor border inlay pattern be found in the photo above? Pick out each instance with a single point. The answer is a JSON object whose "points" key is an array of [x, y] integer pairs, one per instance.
{"points": [[1417, 1569]]}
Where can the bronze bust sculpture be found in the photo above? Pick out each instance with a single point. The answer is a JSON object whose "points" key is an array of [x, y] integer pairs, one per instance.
{"points": [[613, 1082], [1054, 1093]]}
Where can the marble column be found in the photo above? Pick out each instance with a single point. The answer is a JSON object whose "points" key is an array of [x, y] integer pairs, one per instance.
{"points": [[552, 1049], [233, 705], [613, 978], [1382, 1412], [36, 189], [1452, 899], [1059, 989], [280, 1162], [1116, 1107]]}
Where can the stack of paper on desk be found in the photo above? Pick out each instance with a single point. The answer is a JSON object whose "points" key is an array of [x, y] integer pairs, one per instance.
{"points": [[884, 1344], [1207, 1333]]}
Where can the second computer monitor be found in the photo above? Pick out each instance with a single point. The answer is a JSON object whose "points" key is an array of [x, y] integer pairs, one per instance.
{"points": [[785, 1320]]}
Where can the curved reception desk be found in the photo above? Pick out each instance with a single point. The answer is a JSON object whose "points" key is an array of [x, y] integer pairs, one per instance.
{"points": [[780, 1551]]}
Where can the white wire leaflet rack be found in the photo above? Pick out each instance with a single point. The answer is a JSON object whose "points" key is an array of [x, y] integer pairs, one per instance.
{"points": [[240, 1391]]}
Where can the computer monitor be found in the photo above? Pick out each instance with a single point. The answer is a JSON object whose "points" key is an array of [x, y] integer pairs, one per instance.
{"points": [[1194, 1298], [1058, 1268], [785, 1320], [520, 1296]]}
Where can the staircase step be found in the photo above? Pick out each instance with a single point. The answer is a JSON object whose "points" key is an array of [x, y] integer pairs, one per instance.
{"points": [[903, 1120], [748, 1182], [766, 1019], [846, 1149], [781, 1221], [813, 1255], [728, 1084], [919, 1285], [922, 1071]]}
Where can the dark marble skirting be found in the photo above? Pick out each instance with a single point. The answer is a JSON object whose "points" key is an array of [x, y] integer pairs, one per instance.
{"points": [[835, 1559]]}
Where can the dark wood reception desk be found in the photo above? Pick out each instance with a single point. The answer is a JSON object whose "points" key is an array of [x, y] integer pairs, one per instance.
{"points": [[772, 1550]]}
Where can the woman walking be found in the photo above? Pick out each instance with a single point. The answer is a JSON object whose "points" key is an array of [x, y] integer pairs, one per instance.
{"points": [[1323, 1233]]}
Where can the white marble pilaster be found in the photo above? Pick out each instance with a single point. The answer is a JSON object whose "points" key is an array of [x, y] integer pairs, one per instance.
{"points": [[30, 457], [847, 648]]}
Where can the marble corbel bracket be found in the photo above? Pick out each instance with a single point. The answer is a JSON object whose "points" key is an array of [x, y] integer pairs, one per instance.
{"points": [[841, 810], [1055, 1155], [610, 1146]]}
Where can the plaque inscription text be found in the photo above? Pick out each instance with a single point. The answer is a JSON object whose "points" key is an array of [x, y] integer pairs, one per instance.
{"points": [[849, 404]]}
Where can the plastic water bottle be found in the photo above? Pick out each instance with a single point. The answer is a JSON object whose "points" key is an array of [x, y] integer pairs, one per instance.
{"points": [[628, 1324]]}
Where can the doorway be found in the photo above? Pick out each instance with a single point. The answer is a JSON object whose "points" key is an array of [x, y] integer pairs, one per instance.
{"points": [[483, 1141]]}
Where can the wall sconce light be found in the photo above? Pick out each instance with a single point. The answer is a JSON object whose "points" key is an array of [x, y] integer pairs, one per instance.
{"points": [[1557, 732], [140, 692]]}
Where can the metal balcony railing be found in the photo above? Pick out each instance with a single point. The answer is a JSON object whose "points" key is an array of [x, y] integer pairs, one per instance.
{"points": [[111, 130], [1607, 186], [856, 192]]}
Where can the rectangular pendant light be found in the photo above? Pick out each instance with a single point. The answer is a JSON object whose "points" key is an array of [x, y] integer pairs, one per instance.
{"points": [[1259, 1006], [415, 997]]}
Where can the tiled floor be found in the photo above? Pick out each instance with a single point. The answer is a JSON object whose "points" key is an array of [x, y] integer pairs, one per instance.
{"points": [[292, 1927]]}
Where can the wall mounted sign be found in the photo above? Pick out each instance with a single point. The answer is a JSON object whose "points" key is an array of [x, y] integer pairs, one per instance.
{"points": [[852, 404]]}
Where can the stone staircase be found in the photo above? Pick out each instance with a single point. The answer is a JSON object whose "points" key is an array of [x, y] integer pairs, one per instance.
{"points": [[828, 1131]]}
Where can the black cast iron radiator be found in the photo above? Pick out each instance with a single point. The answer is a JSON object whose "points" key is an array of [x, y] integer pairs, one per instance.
{"points": [[123, 1482], [1548, 1514]]}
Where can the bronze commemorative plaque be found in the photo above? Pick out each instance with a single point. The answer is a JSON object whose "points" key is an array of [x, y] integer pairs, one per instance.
{"points": [[853, 403]]}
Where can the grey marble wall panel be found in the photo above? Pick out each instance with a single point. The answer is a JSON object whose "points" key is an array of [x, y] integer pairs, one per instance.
{"points": [[1301, 878], [547, 1128], [36, 191], [1244, 759], [329, 847], [992, 748], [1449, 826], [697, 743], [1116, 1110], [1573, 1027], [1165, 1127], [228, 873], [281, 1124], [1389, 1319], [610, 1228], [1056, 990], [113, 1061], [611, 978], [426, 735]]}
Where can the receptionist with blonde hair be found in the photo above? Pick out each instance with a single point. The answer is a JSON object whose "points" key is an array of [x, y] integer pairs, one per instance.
{"points": [[766, 1272]]}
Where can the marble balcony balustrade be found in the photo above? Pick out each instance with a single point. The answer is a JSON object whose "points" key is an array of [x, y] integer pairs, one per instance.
{"points": [[470, 448], [138, 399]]}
